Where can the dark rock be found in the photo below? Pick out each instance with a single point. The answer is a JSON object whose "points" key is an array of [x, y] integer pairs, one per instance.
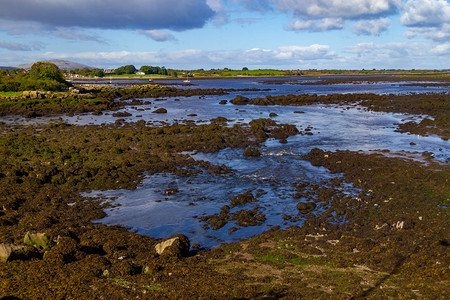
{"points": [[242, 199], [223, 102], [160, 111], [306, 207], [252, 152]]}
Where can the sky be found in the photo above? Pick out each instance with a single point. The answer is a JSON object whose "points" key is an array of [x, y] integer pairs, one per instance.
{"points": [[210, 34]]}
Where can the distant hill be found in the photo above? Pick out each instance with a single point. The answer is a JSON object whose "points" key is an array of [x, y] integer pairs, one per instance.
{"points": [[62, 64]]}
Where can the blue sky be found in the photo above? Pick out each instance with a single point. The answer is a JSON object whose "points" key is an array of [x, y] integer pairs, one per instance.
{"points": [[191, 34]]}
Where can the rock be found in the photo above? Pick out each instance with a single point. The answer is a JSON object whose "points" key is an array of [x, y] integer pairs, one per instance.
{"points": [[252, 152], [177, 245], [7, 251], [306, 207], [160, 111], [242, 199], [38, 240], [169, 192], [223, 102], [273, 115]]}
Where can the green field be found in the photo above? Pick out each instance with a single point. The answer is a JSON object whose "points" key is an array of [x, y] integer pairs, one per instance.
{"points": [[252, 73], [135, 76], [10, 94]]}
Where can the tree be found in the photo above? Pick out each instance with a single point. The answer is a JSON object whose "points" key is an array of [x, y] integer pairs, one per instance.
{"points": [[244, 69], [46, 71], [128, 69], [97, 73]]}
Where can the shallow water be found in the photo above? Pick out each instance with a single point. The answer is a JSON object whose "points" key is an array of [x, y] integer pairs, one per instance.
{"points": [[149, 211]]}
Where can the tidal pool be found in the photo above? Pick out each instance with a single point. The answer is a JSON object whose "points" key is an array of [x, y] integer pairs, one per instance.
{"points": [[147, 210]]}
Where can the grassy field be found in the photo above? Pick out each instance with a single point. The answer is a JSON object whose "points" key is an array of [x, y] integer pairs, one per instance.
{"points": [[252, 73], [10, 94], [136, 76]]}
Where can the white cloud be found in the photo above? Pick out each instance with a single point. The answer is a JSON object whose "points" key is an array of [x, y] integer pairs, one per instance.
{"points": [[316, 25], [158, 35], [426, 13], [438, 34], [347, 9], [427, 18], [324, 15], [371, 27]]}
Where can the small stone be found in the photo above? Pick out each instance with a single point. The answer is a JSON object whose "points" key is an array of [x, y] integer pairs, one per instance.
{"points": [[169, 192]]}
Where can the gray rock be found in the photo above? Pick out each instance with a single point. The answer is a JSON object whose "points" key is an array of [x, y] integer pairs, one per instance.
{"points": [[177, 245]]}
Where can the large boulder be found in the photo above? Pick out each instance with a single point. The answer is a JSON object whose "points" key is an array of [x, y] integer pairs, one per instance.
{"points": [[177, 245]]}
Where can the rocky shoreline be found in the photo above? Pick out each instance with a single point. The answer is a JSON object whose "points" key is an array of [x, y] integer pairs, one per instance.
{"points": [[389, 240]]}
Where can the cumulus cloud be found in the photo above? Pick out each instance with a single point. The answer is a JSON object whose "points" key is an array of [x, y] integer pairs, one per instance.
{"points": [[371, 27], [426, 13], [316, 25], [427, 18], [112, 14], [158, 35], [321, 15], [438, 34], [348, 9]]}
